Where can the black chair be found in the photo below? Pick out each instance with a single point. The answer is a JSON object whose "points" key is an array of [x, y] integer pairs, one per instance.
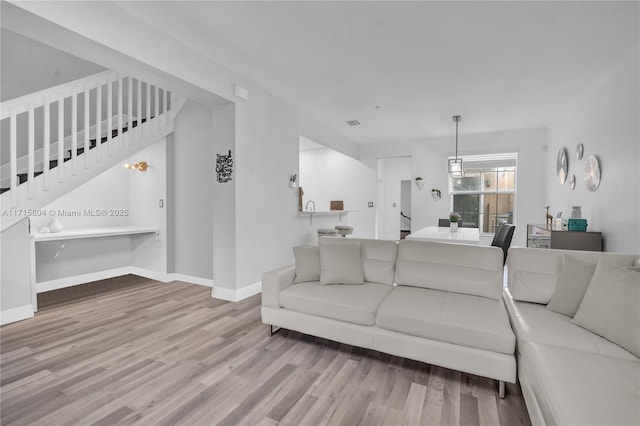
{"points": [[503, 238], [444, 223], [499, 235]]}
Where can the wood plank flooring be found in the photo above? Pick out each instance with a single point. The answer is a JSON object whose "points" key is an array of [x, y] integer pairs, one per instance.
{"points": [[152, 353]]}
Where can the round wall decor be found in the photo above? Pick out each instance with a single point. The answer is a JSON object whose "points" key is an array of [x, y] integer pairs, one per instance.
{"points": [[572, 182], [579, 151], [592, 173], [562, 165]]}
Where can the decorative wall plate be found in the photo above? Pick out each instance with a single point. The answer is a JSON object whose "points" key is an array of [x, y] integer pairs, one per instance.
{"points": [[572, 182], [579, 151], [592, 173], [562, 165]]}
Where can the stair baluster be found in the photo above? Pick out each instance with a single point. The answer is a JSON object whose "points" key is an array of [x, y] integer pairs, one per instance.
{"points": [[13, 154], [120, 126], [31, 153], [99, 122], [74, 131], [86, 127], [46, 142], [110, 117], [60, 137]]}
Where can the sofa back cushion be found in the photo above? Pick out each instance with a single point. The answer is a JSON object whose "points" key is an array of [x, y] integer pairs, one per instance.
{"points": [[533, 272], [457, 268], [307, 263], [611, 306], [378, 257], [341, 264]]}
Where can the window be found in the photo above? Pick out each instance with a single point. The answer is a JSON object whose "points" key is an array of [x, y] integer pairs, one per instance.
{"points": [[485, 196]]}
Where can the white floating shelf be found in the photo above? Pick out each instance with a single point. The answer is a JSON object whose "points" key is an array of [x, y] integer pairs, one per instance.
{"points": [[73, 234]]}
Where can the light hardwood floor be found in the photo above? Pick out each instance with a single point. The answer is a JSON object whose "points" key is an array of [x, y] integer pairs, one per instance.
{"points": [[165, 354]]}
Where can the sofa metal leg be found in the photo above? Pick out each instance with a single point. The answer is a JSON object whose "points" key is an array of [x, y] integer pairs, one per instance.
{"points": [[501, 389], [273, 330]]}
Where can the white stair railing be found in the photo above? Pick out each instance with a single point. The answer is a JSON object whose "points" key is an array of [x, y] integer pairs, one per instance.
{"points": [[134, 100]]}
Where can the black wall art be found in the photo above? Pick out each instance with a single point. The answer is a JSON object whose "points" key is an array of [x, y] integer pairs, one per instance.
{"points": [[224, 167]]}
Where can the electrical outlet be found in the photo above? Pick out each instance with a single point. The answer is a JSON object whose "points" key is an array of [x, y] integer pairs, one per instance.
{"points": [[161, 203], [370, 203], [394, 204]]}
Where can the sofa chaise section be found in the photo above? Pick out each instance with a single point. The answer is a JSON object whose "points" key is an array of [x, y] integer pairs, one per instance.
{"points": [[568, 374]]}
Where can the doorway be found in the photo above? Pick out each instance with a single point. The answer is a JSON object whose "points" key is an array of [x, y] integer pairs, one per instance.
{"points": [[405, 208]]}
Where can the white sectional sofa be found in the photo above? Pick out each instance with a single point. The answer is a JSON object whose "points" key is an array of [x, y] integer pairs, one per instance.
{"points": [[432, 302], [569, 374]]}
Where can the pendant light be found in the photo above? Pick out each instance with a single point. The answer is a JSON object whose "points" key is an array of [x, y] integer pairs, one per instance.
{"points": [[455, 165]]}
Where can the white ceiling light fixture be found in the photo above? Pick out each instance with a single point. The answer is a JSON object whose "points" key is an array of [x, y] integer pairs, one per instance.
{"points": [[455, 164]]}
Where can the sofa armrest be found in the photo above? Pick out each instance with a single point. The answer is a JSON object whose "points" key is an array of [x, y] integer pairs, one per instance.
{"points": [[273, 282]]}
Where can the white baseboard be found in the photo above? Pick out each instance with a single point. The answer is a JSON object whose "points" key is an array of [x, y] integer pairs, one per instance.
{"points": [[217, 292], [148, 273], [16, 314], [81, 279], [190, 279], [236, 295]]}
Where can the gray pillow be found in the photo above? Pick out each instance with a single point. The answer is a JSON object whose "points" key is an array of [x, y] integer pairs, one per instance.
{"points": [[611, 306], [341, 264], [307, 263], [575, 276]]}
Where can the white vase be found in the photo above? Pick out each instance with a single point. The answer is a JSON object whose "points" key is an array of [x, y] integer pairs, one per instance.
{"points": [[453, 226], [54, 225]]}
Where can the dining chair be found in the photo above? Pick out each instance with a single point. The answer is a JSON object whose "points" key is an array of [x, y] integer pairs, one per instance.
{"points": [[444, 223], [503, 239]]}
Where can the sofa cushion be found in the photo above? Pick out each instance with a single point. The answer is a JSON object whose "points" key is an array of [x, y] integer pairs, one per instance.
{"points": [[341, 264], [584, 388], [533, 272], [462, 319], [307, 263], [575, 276], [351, 303], [611, 306], [378, 257], [459, 268], [532, 322]]}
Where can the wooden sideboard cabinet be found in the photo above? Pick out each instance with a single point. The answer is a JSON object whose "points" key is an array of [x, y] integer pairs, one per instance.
{"points": [[540, 236]]}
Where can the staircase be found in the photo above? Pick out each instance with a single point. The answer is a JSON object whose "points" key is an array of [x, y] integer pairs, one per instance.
{"points": [[82, 129]]}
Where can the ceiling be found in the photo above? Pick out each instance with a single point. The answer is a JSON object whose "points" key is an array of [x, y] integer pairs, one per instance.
{"points": [[402, 69]]}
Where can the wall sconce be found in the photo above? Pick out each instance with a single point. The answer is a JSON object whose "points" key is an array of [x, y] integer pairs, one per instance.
{"points": [[293, 181], [140, 166]]}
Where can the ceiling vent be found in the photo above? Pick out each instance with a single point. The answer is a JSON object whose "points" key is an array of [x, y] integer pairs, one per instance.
{"points": [[353, 122]]}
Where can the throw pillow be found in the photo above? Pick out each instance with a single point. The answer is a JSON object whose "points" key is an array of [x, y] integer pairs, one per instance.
{"points": [[611, 306], [341, 264], [575, 276], [307, 263]]}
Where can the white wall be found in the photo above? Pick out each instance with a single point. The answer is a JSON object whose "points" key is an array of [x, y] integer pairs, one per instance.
{"points": [[194, 163], [108, 190], [606, 120], [224, 201], [429, 160], [28, 66], [391, 173], [266, 134], [327, 175], [15, 273], [146, 189]]}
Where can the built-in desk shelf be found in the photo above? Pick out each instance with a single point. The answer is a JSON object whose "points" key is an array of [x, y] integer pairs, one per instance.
{"points": [[73, 234], [77, 256], [338, 213]]}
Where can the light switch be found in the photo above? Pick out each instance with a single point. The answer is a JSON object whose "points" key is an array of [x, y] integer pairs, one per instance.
{"points": [[161, 203], [370, 203]]}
